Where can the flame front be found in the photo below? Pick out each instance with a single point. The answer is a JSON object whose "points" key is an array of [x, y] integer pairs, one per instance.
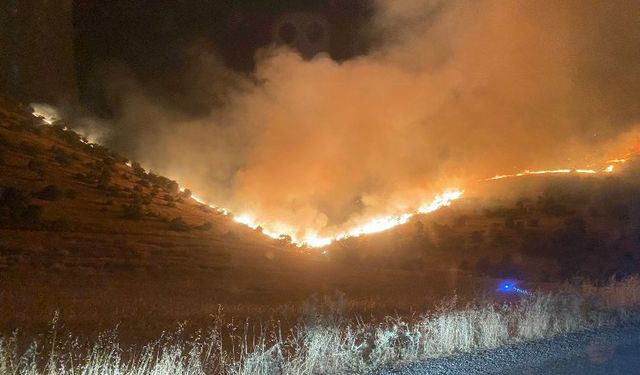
{"points": [[375, 225], [383, 223]]}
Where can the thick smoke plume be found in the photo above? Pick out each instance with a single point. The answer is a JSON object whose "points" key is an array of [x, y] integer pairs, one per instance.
{"points": [[453, 91]]}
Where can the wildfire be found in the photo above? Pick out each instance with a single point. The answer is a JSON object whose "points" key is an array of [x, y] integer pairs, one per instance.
{"points": [[45, 112], [607, 169], [383, 223], [375, 225]]}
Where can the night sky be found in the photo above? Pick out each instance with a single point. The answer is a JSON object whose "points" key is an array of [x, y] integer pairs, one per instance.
{"points": [[152, 38]]}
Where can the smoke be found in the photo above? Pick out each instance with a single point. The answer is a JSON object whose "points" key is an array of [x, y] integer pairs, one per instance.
{"points": [[452, 92]]}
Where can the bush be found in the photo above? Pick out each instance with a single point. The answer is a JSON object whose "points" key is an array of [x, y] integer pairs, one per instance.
{"points": [[205, 227], [60, 156], [132, 212], [19, 208], [12, 197], [105, 177], [178, 225], [137, 169], [30, 148], [460, 221], [4, 142], [50, 193], [36, 165], [30, 214], [186, 194], [71, 194], [173, 187], [534, 222]]}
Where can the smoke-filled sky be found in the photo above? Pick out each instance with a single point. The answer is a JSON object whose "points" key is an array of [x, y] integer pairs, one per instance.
{"points": [[450, 92]]}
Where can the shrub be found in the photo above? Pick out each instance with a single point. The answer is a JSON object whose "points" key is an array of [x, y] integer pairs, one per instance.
{"points": [[60, 156], [60, 224], [36, 165], [137, 169], [534, 222], [205, 227], [87, 179], [105, 177], [50, 193], [509, 222], [178, 225], [460, 221], [12, 197], [173, 187], [30, 148], [4, 142], [132, 211], [500, 212], [108, 161], [30, 214], [186, 194], [71, 194]]}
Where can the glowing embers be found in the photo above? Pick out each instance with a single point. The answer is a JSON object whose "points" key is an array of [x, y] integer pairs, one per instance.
{"points": [[510, 287]]}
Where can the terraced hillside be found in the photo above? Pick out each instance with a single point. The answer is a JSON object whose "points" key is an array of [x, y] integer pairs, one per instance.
{"points": [[87, 233]]}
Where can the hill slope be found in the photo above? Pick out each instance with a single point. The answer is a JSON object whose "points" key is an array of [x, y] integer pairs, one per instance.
{"points": [[86, 233]]}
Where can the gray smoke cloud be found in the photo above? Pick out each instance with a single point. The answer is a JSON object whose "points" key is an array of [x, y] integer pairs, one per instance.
{"points": [[454, 91]]}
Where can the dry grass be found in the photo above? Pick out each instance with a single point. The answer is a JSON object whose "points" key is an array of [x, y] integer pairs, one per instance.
{"points": [[326, 342]]}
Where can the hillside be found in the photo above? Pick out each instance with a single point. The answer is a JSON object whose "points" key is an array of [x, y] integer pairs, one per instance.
{"points": [[102, 242], [535, 228], [87, 233]]}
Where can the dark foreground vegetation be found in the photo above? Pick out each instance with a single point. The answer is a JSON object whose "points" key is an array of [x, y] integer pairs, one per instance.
{"points": [[325, 341]]}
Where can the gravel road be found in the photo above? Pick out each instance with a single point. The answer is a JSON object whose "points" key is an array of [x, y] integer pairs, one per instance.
{"points": [[594, 352]]}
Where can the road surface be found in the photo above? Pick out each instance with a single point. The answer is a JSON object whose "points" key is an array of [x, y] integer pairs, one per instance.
{"points": [[610, 351]]}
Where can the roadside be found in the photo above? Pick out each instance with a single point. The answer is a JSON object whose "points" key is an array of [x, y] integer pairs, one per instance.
{"points": [[614, 350]]}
